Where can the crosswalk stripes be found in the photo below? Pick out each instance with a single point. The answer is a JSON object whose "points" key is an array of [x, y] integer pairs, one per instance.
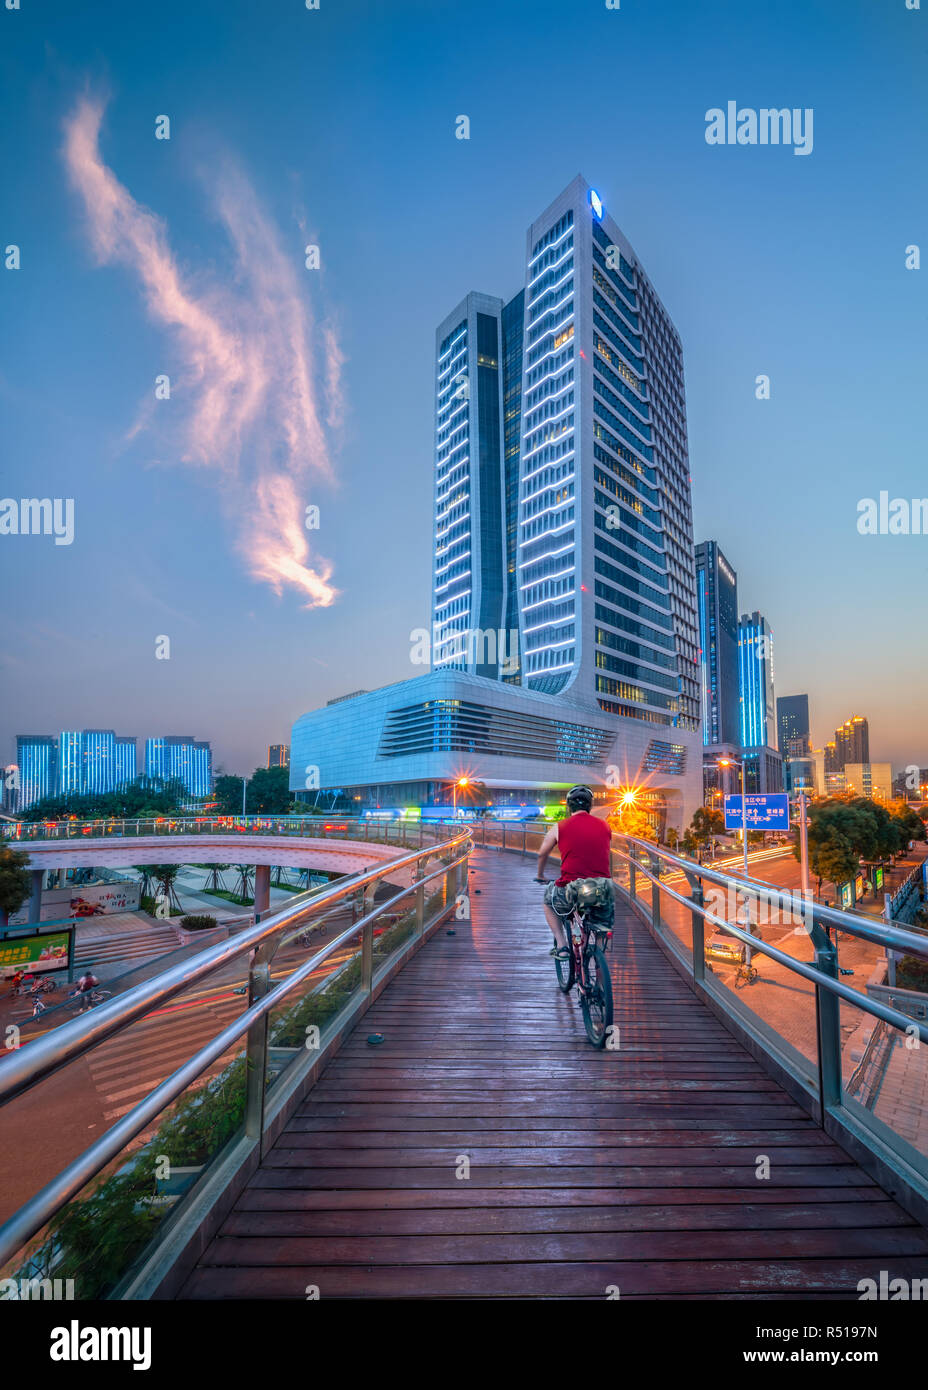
{"points": [[112, 950], [127, 1067]]}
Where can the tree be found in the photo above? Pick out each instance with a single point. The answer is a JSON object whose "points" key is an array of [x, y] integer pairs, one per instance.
{"points": [[706, 822], [630, 819], [228, 795], [143, 799], [269, 792], [15, 881]]}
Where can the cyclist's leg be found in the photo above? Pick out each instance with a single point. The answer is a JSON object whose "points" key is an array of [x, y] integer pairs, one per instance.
{"points": [[554, 899]]}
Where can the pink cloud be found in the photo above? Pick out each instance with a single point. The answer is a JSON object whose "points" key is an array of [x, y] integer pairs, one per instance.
{"points": [[259, 380]]}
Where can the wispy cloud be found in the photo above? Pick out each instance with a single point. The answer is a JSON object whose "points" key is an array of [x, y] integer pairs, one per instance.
{"points": [[260, 384]]}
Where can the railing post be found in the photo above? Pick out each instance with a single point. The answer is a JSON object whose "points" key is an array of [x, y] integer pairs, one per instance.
{"points": [[259, 982], [654, 865], [698, 899], [367, 940], [828, 1021], [420, 898], [524, 838], [632, 872]]}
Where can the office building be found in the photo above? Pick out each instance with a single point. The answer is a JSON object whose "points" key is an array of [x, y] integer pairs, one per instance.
{"points": [[179, 757], [852, 742], [70, 779], [98, 752], [562, 509], [126, 761], [717, 596], [278, 755], [874, 780], [36, 759], [793, 724], [763, 768]]}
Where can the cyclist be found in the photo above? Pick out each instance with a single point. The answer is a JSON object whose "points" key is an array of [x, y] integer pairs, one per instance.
{"points": [[584, 842], [85, 986]]}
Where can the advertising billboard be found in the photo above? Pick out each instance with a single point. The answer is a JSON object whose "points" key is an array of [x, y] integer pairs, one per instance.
{"points": [[84, 900], [36, 951]]}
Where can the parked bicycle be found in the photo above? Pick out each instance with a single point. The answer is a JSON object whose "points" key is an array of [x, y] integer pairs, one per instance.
{"points": [[585, 966], [745, 975]]}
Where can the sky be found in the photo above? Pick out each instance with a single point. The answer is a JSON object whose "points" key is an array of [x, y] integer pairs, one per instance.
{"points": [[295, 387]]}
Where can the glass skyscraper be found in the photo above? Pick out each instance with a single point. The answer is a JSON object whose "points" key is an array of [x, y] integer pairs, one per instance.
{"points": [[763, 768], [99, 757], [717, 594], [36, 758], [180, 757], [126, 766], [70, 762], [562, 494]]}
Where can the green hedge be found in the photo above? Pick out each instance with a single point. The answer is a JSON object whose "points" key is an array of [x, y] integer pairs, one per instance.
{"points": [[200, 922]]}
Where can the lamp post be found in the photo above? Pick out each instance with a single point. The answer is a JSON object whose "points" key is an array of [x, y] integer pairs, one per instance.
{"points": [[734, 762], [461, 782]]}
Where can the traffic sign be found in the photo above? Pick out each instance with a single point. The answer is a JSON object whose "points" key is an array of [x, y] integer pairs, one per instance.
{"points": [[766, 811]]}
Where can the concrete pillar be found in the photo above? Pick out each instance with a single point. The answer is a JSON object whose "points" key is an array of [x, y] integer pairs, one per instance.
{"points": [[262, 888], [35, 900], [62, 878]]}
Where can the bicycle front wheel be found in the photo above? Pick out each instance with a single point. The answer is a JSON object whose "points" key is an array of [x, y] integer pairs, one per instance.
{"points": [[596, 1001]]}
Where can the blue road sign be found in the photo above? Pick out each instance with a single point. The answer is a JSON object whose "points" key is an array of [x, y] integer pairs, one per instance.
{"points": [[769, 811]]}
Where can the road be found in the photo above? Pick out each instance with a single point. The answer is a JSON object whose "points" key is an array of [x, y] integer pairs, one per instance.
{"points": [[782, 999], [47, 1127]]}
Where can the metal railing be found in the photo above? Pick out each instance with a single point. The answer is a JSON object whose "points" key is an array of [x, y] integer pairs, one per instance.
{"points": [[404, 832], [899, 1163], [267, 1092]]}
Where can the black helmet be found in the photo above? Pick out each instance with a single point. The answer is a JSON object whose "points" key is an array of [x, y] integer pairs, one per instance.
{"points": [[579, 799]]}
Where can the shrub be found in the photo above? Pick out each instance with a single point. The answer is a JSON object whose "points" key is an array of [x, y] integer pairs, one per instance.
{"points": [[198, 923]]}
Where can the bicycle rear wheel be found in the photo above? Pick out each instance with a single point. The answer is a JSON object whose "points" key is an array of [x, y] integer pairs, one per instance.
{"points": [[565, 971], [596, 1001]]}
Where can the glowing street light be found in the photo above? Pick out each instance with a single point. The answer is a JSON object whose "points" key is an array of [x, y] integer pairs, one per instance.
{"points": [[461, 782]]}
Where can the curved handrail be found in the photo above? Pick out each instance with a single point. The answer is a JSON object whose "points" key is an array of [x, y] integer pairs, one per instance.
{"points": [[23, 1068], [809, 972], [40, 1208]]}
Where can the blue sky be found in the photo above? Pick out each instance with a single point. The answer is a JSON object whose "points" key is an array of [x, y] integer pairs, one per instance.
{"points": [[337, 127]]}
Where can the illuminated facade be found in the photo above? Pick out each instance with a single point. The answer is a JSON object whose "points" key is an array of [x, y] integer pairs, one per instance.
{"points": [[36, 759], [763, 767], [564, 576]]}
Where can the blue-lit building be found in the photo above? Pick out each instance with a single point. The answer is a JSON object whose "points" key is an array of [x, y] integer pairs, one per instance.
{"points": [[126, 761], [717, 594], [36, 759], [182, 758], [98, 751], [562, 511], [758, 730], [70, 762]]}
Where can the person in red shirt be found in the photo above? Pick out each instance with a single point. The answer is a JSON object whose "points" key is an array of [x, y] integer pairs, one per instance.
{"points": [[584, 842]]}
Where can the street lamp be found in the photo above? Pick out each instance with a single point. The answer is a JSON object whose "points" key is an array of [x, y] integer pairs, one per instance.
{"points": [[734, 762], [461, 782]]}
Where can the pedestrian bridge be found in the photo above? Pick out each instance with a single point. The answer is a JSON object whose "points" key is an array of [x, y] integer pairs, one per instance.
{"points": [[446, 1131]]}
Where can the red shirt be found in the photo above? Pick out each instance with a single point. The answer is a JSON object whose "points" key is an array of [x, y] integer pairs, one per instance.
{"points": [[584, 842]]}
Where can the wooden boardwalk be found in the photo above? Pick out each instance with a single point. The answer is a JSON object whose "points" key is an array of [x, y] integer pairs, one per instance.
{"points": [[630, 1170]]}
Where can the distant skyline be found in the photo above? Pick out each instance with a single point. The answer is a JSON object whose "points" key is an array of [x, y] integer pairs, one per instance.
{"points": [[295, 387]]}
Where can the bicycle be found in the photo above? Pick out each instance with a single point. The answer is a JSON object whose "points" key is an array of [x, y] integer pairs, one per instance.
{"points": [[585, 965], [745, 974], [88, 998]]}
